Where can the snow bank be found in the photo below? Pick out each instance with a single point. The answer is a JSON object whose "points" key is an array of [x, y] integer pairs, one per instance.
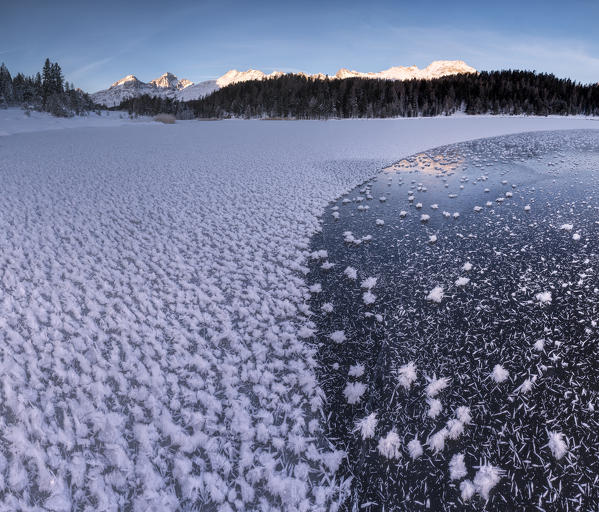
{"points": [[16, 120]]}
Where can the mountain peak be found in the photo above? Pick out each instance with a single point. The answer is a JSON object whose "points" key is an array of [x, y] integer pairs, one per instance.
{"points": [[129, 79], [166, 80], [449, 67], [183, 83]]}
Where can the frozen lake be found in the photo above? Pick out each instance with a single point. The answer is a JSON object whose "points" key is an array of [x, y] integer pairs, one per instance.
{"points": [[457, 336], [155, 319]]}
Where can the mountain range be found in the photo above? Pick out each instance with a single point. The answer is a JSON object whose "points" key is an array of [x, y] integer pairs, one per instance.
{"points": [[169, 86]]}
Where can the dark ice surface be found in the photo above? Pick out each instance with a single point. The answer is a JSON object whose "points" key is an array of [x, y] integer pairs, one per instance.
{"points": [[528, 224]]}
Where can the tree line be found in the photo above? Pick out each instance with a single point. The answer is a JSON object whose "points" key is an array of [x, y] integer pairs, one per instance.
{"points": [[299, 97], [148, 105], [47, 91]]}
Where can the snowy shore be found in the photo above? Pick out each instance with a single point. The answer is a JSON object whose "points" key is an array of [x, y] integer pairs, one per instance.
{"points": [[153, 317]]}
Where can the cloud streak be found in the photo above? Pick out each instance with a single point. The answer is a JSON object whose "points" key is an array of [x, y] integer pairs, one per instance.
{"points": [[90, 67]]}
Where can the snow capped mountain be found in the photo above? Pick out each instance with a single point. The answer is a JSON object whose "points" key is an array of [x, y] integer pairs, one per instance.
{"points": [[170, 81], [165, 86], [169, 86], [128, 81], [123, 89], [436, 69], [233, 76]]}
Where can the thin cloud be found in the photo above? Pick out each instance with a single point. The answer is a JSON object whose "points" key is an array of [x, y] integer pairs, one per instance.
{"points": [[89, 67], [11, 50]]}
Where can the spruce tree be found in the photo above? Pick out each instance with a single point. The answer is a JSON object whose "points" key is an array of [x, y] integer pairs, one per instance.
{"points": [[6, 88], [57, 78], [38, 84], [46, 80]]}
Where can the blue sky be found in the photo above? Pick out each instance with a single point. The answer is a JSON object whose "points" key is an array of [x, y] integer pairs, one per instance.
{"points": [[97, 43]]}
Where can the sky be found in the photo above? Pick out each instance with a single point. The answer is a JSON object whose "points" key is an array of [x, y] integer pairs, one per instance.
{"points": [[97, 43]]}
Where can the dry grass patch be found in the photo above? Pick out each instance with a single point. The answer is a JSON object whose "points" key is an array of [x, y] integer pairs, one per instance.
{"points": [[165, 118]]}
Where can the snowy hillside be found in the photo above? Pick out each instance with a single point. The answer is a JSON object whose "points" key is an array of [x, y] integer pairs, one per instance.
{"points": [[196, 91], [169, 86], [154, 316]]}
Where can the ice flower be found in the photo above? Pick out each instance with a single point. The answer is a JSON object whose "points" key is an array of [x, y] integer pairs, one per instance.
{"points": [[366, 426], [356, 370], [544, 297], [525, 387], [327, 307], [389, 445], [486, 478], [455, 428], [499, 373], [415, 449], [435, 407], [436, 385], [557, 445], [338, 336], [463, 414], [467, 490], [351, 273], [368, 298], [457, 467], [353, 392], [369, 283], [406, 375], [436, 294], [436, 442]]}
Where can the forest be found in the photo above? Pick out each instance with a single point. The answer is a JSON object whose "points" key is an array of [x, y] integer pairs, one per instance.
{"points": [[299, 97], [46, 91]]}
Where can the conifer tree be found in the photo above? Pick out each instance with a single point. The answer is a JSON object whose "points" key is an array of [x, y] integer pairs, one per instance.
{"points": [[46, 80], [57, 78], [6, 88]]}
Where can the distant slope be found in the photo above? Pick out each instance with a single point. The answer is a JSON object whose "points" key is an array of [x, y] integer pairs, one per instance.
{"points": [[196, 91], [169, 86]]}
